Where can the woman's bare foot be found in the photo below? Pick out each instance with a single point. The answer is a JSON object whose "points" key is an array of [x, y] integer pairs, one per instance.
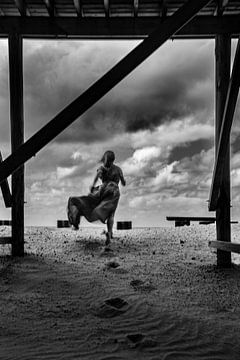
{"points": [[75, 227]]}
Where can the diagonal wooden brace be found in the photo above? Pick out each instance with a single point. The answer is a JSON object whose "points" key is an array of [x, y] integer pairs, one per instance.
{"points": [[7, 197], [101, 87]]}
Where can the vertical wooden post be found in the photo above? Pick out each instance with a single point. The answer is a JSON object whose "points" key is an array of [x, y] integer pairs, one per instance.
{"points": [[17, 139], [223, 227]]}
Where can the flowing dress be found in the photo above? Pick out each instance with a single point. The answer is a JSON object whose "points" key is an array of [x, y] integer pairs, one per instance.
{"points": [[101, 203]]}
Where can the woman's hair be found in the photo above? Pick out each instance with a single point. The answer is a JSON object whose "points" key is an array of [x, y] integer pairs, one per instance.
{"points": [[109, 156]]}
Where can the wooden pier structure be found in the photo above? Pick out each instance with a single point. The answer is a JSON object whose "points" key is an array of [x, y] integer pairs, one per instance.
{"points": [[153, 21]]}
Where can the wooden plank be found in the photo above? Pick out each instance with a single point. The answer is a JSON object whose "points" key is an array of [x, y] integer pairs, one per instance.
{"points": [[50, 7], [220, 7], [7, 197], [21, 5], [163, 7], [106, 8], [191, 218], [225, 246], [17, 138], [222, 78], [135, 7], [206, 222], [5, 240], [78, 7], [101, 87], [224, 137], [114, 27]]}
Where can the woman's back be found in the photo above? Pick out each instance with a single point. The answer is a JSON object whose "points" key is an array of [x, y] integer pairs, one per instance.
{"points": [[113, 173]]}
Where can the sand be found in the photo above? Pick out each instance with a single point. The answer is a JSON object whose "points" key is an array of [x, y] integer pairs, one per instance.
{"points": [[156, 295]]}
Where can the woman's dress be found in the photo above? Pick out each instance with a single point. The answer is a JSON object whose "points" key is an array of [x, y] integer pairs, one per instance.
{"points": [[101, 203]]}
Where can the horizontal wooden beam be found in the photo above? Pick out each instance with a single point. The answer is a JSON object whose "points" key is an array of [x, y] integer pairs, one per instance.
{"points": [[224, 138], [5, 240], [225, 246], [114, 28], [101, 87], [191, 218]]}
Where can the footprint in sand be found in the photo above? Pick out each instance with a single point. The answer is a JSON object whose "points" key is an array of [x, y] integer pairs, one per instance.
{"points": [[135, 338], [115, 267], [139, 285], [139, 340], [112, 264], [112, 307]]}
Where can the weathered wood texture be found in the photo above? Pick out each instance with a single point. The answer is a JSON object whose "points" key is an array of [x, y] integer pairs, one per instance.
{"points": [[225, 246], [222, 77], [17, 138], [224, 137], [114, 28], [68, 115], [7, 197]]}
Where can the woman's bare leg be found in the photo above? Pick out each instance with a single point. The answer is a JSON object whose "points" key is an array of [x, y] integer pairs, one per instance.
{"points": [[110, 222], [73, 214]]}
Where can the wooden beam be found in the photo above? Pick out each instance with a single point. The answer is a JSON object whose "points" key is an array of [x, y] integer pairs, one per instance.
{"points": [[101, 87], [224, 137], [114, 27], [222, 78], [106, 8], [7, 197], [163, 8], [50, 7], [78, 7], [17, 138], [220, 7], [21, 5], [225, 246], [135, 7], [191, 218]]}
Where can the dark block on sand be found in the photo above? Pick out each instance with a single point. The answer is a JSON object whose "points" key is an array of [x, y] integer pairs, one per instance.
{"points": [[5, 222], [124, 225], [63, 224], [182, 223]]}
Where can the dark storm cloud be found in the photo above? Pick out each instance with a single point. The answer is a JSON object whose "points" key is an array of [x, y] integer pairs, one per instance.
{"points": [[189, 149], [163, 88]]}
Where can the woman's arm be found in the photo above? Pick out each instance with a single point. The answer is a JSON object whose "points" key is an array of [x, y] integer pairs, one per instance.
{"points": [[123, 181], [94, 181]]}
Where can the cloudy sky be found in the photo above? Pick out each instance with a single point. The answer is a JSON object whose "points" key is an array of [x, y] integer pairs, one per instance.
{"points": [[159, 121]]}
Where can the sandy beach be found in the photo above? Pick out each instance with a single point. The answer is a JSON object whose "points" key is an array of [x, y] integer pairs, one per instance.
{"points": [[157, 294]]}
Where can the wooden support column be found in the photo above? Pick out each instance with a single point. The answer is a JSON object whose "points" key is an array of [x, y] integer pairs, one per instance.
{"points": [[17, 139], [223, 227]]}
